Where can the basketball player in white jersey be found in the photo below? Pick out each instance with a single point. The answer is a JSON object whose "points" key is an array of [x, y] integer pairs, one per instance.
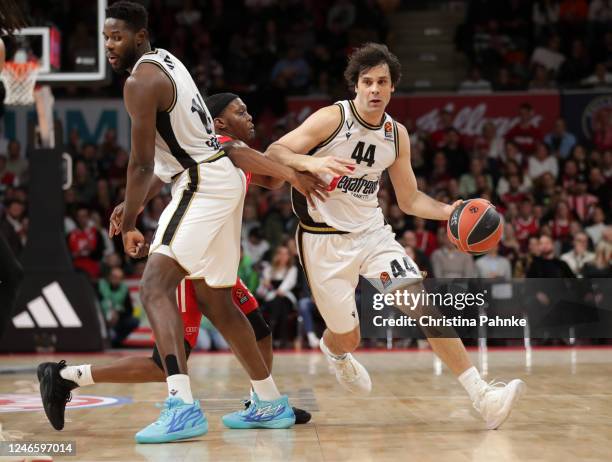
{"points": [[198, 235], [346, 236]]}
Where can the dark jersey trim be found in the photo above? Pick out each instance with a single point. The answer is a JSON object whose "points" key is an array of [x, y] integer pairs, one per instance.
{"points": [[164, 128], [331, 137], [396, 139], [181, 210], [363, 122], [300, 208], [174, 89]]}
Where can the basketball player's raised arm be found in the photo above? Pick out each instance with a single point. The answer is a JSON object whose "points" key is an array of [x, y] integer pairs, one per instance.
{"points": [[410, 200], [312, 132]]}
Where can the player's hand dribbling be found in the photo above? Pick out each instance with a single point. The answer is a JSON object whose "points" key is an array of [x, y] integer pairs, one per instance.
{"points": [[310, 186], [134, 243], [326, 166]]}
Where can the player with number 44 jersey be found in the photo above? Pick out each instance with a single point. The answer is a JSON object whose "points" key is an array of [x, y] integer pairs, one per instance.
{"points": [[346, 237]]}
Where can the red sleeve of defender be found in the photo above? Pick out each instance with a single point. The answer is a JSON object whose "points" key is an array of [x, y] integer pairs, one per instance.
{"points": [[190, 313], [243, 298], [226, 139]]}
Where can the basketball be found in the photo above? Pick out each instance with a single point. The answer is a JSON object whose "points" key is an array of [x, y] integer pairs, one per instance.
{"points": [[475, 226]]}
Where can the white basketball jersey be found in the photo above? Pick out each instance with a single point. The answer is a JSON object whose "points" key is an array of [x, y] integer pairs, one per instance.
{"points": [[352, 205], [185, 131]]}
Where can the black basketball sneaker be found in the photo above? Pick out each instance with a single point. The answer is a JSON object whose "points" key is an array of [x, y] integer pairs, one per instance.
{"points": [[301, 416], [55, 392]]}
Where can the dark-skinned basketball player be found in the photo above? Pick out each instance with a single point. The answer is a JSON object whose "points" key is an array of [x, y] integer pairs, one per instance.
{"points": [[172, 136], [232, 122], [346, 236]]}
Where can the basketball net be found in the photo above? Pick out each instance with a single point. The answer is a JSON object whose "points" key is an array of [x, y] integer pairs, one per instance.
{"points": [[19, 78]]}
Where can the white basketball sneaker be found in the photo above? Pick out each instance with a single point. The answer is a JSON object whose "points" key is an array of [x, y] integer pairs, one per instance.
{"points": [[349, 372], [496, 400]]}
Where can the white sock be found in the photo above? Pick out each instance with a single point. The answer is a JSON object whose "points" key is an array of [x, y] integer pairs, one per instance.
{"points": [[266, 389], [179, 387], [472, 382], [81, 375]]}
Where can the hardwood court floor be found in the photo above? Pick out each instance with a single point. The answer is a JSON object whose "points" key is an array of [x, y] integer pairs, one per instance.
{"points": [[416, 411]]}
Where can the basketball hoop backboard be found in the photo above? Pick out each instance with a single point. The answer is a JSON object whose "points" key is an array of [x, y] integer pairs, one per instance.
{"points": [[67, 43]]}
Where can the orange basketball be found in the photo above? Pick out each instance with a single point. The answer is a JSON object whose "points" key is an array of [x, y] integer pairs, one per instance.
{"points": [[475, 226]]}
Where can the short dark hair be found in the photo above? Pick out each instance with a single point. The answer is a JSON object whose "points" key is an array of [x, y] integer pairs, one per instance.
{"points": [[134, 14], [11, 17], [368, 56]]}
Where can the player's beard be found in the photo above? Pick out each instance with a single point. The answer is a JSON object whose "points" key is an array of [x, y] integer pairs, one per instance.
{"points": [[127, 61]]}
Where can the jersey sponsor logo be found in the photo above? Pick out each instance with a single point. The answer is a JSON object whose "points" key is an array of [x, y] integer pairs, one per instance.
{"points": [[385, 279], [357, 187], [169, 62], [31, 402], [388, 131]]}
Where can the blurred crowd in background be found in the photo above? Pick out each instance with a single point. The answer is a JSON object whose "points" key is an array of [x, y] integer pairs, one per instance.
{"points": [[554, 193]]}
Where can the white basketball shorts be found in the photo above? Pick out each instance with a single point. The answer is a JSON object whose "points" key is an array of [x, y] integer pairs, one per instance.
{"points": [[333, 263], [200, 227]]}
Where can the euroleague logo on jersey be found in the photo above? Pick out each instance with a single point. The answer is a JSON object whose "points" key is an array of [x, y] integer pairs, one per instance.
{"points": [[388, 130]]}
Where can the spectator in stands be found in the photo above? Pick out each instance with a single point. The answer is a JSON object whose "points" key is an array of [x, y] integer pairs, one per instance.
{"points": [[475, 83], [511, 168], [438, 138], [524, 134], [600, 188], [546, 264], [426, 241], [490, 142], [573, 15], [117, 306], [581, 201], [467, 182], [292, 73], [7, 178], [525, 225], [449, 262], [13, 226], [595, 230], [306, 308], [255, 245], [505, 81], [409, 239], [509, 246], [545, 16], [84, 185], [277, 283], [549, 56], [397, 219], [541, 79], [542, 162], [440, 175], [457, 156], [579, 255], [17, 164], [577, 66], [85, 244], [560, 141], [494, 266], [561, 223], [601, 78], [601, 265]]}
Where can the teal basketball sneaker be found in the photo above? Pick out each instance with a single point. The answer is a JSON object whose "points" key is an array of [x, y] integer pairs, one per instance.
{"points": [[262, 414], [177, 421]]}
